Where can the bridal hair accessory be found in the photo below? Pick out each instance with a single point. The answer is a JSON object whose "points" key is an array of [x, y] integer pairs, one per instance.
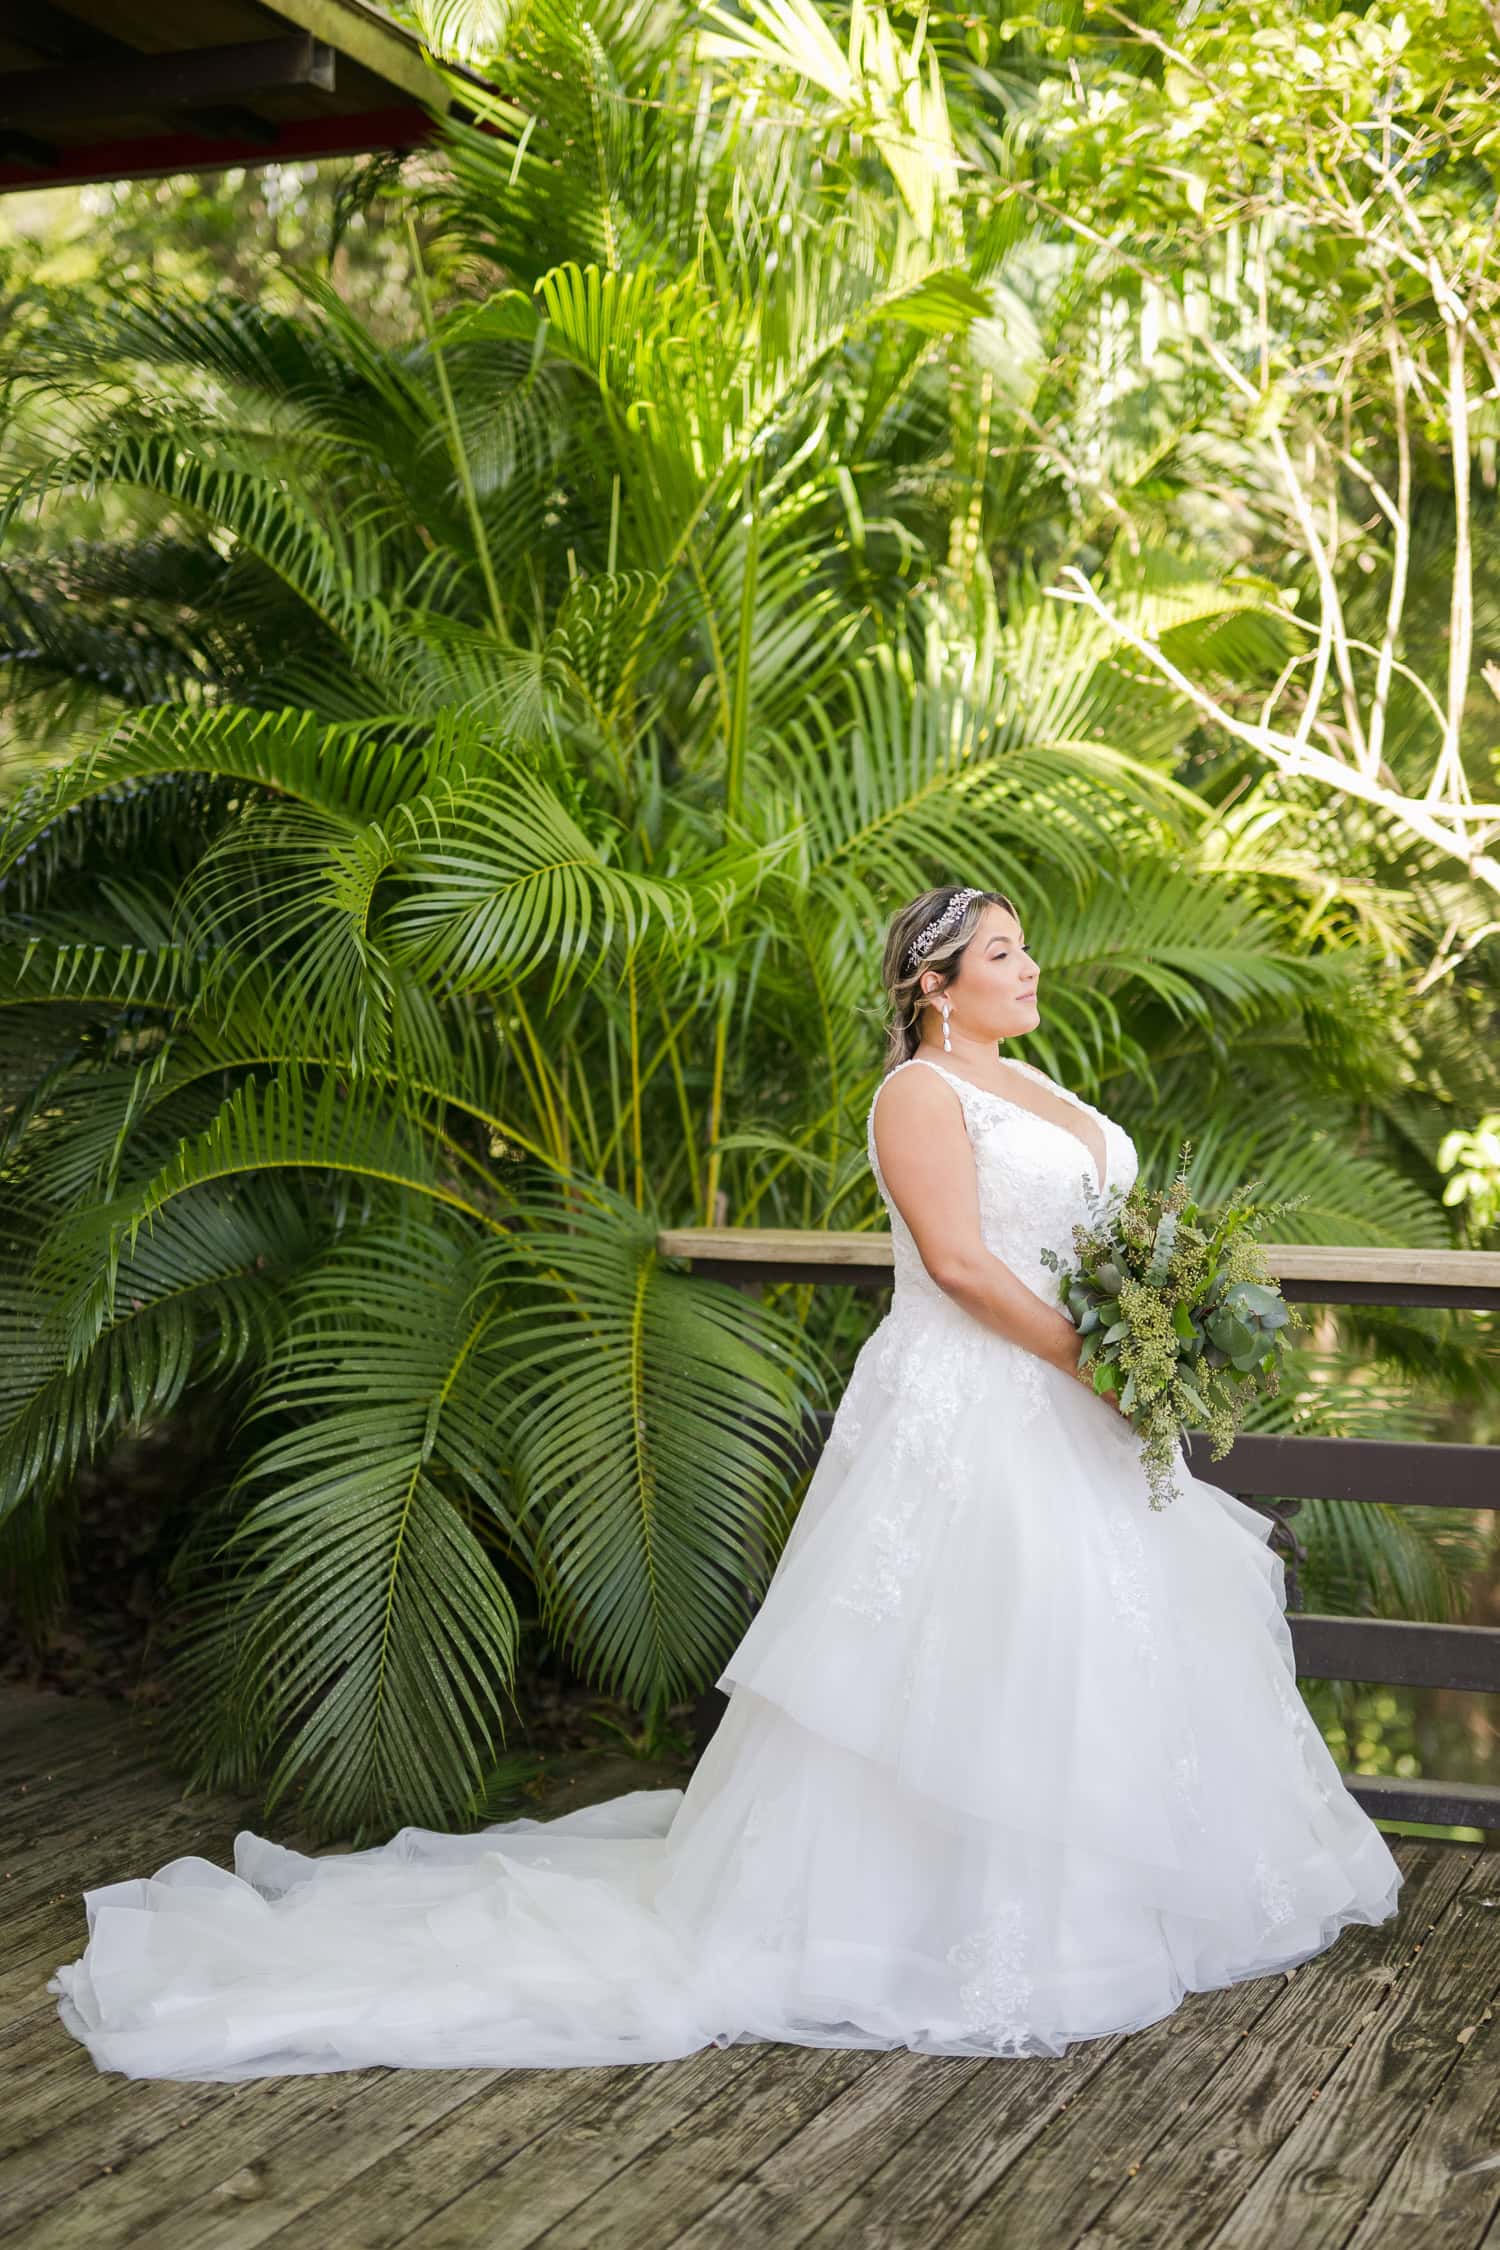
{"points": [[926, 939]]}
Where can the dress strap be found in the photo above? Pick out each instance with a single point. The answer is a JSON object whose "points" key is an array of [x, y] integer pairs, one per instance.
{"points": [[987, 1093], [957, 1083], [951, 1075]]}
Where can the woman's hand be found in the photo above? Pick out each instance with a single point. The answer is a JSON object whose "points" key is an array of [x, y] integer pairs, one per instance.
{"points": [[1066, 1359], [1106, 1398]]}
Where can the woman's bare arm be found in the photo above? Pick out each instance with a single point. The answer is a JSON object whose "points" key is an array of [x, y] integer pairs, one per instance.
{"points": [[928, 1166]]}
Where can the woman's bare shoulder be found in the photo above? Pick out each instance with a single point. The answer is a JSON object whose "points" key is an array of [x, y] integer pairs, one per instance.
{"points": [[914, 1095]]}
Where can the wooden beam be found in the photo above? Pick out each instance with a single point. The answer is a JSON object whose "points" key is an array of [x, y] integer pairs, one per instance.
{"points": [[368, 37], [231, 121], [831, 1246], [1404, 1473], [1440, 1804], [1339, 1274], [753, 1246], [1395, 1651], [24, 148], [1401, 1473], [1308, 1272], [45, 29], [155, 155], [189, 78]]}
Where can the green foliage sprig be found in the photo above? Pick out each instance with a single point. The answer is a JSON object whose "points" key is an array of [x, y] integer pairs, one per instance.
{"points": [[1179, 1318]]}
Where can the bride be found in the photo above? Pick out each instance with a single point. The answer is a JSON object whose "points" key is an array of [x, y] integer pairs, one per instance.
{"points": [[1009, 1760]]}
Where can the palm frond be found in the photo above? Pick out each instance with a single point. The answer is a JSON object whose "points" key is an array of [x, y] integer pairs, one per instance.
{"points": [[198, 1298], [296, 1120], [654, 1422], [352, 1628], [498, 878]]}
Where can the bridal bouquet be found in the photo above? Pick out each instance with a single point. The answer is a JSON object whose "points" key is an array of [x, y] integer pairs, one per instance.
{"points": [[1178, 1315]]}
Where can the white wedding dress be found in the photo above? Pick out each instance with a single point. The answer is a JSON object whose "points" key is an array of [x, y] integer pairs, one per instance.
{"points": [[1010, 1759]]}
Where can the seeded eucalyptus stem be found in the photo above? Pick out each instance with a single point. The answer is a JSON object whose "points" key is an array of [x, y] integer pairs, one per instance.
{"points": [[1177, 1315]]}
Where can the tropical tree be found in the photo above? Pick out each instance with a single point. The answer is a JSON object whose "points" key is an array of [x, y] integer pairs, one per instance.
{"points": [[1335, 273], [468, 792]]}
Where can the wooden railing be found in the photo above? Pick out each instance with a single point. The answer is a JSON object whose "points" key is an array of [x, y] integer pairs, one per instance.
{"points": [[1263, 1471]]}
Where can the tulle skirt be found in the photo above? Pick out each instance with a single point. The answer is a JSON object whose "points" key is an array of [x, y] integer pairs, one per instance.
{"points": [[1010, 1760]]}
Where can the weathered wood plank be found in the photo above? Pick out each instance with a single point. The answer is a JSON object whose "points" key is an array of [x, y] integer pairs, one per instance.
{"points": [[41, 1789], [1443, 2191], [49, 2082], [1337, 2101], [940, 2185], [232, 2182], [256, 2181], [834, 1247], [554, 2172], [134, 1827], [1194, 2173], [46, 1833], [38, 1729], [50, 2085], [93, 2137], [42, 1734], [642, 2196], [804, 2184], [65, 1766], [965, 2192], [408, 2185], [132, 1823], [1320, 2181], [1190, 2174], [760, 1246], [50, 1828]]}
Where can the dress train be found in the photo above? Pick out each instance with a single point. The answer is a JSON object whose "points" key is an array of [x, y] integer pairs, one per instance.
{"points": [[1010, 1760]]}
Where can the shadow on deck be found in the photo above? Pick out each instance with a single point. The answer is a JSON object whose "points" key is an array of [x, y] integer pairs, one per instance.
{"points": [[1354, 2101]]}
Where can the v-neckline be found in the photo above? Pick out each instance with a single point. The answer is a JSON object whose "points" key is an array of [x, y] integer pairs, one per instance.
{"points": [[1008, 1101]]}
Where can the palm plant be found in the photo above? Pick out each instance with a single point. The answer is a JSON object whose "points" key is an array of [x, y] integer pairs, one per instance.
{"points": [[487, 762]]}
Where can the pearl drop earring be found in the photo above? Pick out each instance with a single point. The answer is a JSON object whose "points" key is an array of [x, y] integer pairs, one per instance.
{"points": [[947, 1042]]}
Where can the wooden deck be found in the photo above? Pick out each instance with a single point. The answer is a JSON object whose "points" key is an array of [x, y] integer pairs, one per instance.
{"points": [[1354, 2102]]}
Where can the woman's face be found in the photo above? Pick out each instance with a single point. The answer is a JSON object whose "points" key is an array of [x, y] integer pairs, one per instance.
{"points": [[994, 993]]}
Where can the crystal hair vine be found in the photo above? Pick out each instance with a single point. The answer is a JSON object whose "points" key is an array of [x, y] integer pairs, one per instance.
{"points": [[927, 938]]}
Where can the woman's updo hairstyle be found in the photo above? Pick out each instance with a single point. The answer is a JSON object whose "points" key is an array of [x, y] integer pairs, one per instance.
{"points": [[902, 976]]}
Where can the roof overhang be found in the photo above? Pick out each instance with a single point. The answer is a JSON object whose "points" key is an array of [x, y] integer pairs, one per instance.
{"points": [[94, 90]]}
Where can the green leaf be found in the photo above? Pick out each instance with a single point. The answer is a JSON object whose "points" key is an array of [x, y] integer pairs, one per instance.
{"points": [[354, 1623]]}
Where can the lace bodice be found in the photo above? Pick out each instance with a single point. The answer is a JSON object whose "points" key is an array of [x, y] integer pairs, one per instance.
{"points": [[1036, 1179], [928, 1360]]}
